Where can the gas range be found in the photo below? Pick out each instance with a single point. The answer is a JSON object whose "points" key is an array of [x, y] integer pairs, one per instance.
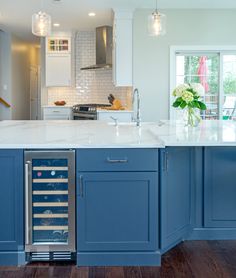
{"points": [[86, 111]]}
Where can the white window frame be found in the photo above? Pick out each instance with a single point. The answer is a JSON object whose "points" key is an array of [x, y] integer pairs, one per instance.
{"points": [[221, 49]]}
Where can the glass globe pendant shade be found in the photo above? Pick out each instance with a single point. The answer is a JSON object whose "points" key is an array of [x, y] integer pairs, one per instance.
{"points": [[41, 24], [156, 24]]}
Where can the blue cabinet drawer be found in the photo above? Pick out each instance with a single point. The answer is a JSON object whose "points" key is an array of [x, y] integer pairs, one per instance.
{"points": [[96, 160]]}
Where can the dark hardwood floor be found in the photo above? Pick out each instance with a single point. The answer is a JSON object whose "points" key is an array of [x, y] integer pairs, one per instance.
{"points": [[200, 259]]}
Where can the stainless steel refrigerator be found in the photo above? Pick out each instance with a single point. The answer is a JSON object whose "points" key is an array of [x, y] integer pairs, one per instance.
{"points": [[50, 205]]}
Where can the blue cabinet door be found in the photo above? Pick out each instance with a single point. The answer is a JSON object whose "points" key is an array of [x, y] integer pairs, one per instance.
{"points": [[175, 195], [220, 187], [11, 200], [117, 211]]}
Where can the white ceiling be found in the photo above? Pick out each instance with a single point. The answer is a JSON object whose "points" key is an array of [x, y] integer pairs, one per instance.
{"points": [[15, 15]]}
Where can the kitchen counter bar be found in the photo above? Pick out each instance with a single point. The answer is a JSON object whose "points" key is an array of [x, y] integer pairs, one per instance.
{"points": [[96, 134]]}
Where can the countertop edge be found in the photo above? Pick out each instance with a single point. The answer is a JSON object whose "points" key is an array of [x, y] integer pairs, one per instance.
{"points": [[65, 146]]}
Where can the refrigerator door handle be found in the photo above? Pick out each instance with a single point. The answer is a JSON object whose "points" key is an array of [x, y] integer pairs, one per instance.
{"points": [[27, 230]]}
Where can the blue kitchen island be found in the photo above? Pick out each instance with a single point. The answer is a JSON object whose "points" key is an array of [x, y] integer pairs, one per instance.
{"points": [[139, 190]]}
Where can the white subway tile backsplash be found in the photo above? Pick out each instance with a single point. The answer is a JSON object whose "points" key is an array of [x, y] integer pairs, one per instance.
{"points": [[91, 86]]}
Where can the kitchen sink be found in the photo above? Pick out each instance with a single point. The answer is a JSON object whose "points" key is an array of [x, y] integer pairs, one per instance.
{"points": [[123, 124]]}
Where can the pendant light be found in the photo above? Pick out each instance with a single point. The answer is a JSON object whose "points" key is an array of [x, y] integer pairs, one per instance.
{"points": [[156, 23], [41, 24]]}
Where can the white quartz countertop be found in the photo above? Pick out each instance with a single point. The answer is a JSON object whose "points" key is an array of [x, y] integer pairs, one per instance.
{"points": [[208, 133], [75, 134], [96, 134]]}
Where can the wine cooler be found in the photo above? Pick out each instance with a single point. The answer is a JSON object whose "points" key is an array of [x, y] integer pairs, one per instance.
{"points": [[49, 205]]}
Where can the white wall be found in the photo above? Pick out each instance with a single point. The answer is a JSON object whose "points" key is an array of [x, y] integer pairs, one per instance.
{"points": [[151, 55], [44, 92], [5, 74], [16, 56], [20, 74]]}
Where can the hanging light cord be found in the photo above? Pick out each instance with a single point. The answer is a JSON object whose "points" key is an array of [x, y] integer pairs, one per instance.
{"points": [[42, 5], [156, 13]]}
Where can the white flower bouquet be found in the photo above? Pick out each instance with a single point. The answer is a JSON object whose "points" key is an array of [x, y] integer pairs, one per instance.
{"points": [[188, 96]]}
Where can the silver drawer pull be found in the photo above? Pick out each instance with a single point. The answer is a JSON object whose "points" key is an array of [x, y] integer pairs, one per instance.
{"points": [[117, 160]]}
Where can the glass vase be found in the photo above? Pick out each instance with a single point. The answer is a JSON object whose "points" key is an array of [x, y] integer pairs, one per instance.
{"points": [[192, 117]]}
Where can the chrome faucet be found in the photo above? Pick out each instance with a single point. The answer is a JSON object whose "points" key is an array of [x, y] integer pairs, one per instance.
{"points": [[138, 116], [115, 120]]}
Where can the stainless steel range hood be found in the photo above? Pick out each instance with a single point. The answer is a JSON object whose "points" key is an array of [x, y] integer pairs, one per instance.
{"points": [[103, 49]]}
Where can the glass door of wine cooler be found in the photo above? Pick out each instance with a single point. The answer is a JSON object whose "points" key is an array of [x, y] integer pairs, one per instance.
{"points": [[50, 201]]}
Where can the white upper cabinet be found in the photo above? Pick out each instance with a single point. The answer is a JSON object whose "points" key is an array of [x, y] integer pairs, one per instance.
{"points": [[58, 62], [58, 45], [58, 71], [123, 48]]}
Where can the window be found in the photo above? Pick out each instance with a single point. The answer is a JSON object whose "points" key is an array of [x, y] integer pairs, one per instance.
{"points": [[215, 70]]}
